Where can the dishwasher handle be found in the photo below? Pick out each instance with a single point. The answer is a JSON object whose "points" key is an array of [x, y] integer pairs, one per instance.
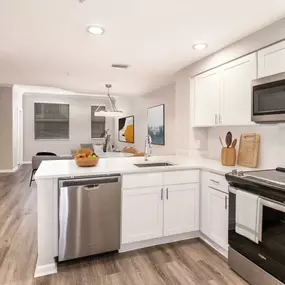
{"points": [[91, 187], [89, 181]]}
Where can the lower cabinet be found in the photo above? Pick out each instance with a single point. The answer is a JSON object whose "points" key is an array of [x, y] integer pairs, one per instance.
{"points": [[181, 209], [218, 217], [142, 214], [154, 212], [214, 208]]}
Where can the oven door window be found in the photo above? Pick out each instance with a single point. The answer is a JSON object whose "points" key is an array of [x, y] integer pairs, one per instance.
{"points": [[269, 98], [272, 235]]}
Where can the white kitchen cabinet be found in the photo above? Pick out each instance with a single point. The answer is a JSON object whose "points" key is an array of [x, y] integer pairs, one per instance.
{"points": [[218, 217], [235, 99], [181, 209], [206, 98], [271, 60], [222, 96], [142, 214], [214, 208]]}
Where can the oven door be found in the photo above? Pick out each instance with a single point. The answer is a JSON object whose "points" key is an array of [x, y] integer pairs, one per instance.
{"points": [[268, 99], [269, 253]]}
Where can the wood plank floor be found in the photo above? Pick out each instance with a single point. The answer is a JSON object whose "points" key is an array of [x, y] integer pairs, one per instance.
{"points": [[187, 262]]}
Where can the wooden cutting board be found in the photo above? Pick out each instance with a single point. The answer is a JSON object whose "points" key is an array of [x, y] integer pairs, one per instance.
{"points": [[248, 150]]}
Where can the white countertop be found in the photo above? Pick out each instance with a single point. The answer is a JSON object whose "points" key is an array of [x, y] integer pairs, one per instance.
{"points": [[124, 165]]}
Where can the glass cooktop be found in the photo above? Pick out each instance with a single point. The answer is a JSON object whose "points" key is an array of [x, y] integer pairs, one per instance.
{"points": [[272, 176]]}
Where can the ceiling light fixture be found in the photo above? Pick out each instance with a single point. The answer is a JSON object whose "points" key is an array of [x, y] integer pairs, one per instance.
{"points": [[114, 111], [95, 30], [200, 46]]}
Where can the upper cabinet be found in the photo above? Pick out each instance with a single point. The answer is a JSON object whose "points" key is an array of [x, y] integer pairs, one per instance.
{"points": [[235, 100], [271, 60], [207, 90], [222, 96]]}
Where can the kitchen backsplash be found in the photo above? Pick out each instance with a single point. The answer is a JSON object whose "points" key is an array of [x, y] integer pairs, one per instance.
{"points": [[272, 142]]}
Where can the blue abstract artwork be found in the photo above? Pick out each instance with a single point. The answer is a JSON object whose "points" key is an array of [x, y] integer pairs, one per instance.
{"points": [[156, 124]]}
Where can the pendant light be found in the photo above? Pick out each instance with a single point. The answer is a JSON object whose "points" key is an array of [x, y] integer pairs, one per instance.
{"points": [[114, 112]]}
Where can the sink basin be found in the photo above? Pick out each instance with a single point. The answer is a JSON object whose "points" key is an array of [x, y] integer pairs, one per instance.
{"points": [[153, 164]]}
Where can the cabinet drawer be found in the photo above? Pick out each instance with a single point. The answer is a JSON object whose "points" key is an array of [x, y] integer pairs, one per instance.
{"points": [[181, 177], [217, 182], [142, 180]]}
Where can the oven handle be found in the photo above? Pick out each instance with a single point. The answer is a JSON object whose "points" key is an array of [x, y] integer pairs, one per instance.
{"points": [[232, 190], [270, 204]]}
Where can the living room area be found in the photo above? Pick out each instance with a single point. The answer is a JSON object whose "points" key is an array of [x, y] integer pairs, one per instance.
{"points": [[56, 122]]}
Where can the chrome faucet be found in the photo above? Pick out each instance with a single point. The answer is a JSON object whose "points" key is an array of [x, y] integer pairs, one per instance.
{"points": [[147, 147]]}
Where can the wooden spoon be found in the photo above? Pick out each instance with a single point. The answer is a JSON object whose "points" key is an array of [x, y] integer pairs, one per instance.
{"points": [[221, 141], [229, 139], [234, 143]]}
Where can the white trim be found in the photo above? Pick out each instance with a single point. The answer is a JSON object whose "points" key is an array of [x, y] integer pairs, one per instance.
{"points": [[158, 241], [43, 270], [9, 170], [26, 162], [215, 246]]}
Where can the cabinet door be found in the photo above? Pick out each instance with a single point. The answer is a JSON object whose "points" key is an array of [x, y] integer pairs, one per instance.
{"points": [[271, 60], [142, 214], [206, 98], [235, 101], [218, 217], [181, 209]]}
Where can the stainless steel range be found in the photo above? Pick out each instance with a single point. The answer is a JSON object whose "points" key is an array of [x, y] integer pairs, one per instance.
{"points": [[257, 225]]}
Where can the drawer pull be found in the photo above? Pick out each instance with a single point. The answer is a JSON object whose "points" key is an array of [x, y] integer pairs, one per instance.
{"points": [[161, 194], [214, 181], [217, 189], [226, 202], [167, 193]]}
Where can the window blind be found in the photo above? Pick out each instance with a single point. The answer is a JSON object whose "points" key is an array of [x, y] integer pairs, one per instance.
{"points": [[51, 121], [97, 123]]}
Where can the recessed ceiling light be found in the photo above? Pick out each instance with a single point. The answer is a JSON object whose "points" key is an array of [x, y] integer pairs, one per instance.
{"points": [[95, 30], [200, 46]]}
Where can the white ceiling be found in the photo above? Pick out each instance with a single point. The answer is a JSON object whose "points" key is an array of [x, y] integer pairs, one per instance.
{"points": [[44, 42]]}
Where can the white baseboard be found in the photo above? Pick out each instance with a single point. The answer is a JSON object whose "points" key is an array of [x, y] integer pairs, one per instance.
{"points": [[9, 170], [26, 162], [215, 246], [48, 269], [157, 241]]}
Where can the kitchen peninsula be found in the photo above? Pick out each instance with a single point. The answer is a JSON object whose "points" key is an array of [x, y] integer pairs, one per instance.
{"points": [[171, 195]]}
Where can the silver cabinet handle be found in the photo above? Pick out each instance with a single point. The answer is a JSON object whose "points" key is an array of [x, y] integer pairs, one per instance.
{"points": [[216, 119], [226, 202], [220, 118], [167, 193], [214, 181], [161, 194]]}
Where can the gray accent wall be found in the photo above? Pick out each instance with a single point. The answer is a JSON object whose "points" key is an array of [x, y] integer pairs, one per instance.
{"points": [[6, 128]]}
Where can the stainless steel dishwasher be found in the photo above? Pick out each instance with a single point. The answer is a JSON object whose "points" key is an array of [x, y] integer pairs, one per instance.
{"points": [[89, 216]]}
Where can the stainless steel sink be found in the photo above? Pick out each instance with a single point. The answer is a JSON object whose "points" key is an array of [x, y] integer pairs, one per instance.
{"points": [[153, 164]]}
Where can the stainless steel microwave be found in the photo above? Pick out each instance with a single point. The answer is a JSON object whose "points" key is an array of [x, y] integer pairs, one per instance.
{"points": [[268, 99]]}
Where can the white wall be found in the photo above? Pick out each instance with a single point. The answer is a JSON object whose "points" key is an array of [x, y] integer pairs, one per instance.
{"points": [[203, 141], [79, 128], [138, 106]]}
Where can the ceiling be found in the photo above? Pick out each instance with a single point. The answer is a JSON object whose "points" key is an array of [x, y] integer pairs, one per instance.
{"points": [[44, 42]]}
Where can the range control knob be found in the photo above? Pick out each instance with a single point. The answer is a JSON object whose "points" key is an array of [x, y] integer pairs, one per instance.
{"points": [[240, 173], [234, 172]]}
